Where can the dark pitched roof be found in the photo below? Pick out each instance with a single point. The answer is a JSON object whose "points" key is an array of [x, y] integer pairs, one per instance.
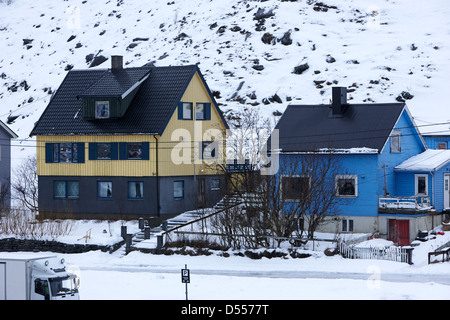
{"points": [[116, 82], [148, 113], [306, 128]]}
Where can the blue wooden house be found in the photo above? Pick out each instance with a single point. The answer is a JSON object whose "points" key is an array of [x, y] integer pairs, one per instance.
{"points": [[372, 145], [434, 141]]}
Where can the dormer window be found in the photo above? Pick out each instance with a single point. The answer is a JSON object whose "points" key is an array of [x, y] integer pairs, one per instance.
{"points": [[102, 109]]}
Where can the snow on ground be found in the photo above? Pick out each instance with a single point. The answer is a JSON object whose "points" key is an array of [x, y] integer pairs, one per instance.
{"points": [[139, 276]]}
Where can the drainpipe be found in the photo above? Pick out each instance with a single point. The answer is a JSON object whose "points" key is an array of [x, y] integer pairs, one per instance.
{"points": [[158, 205], [433, 202]]}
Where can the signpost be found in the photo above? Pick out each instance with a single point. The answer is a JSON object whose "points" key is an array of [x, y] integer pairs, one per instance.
{"points": [[185, 278]]}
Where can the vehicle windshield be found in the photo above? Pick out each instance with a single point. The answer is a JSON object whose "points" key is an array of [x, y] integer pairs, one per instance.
{"points": [[63, 285]]}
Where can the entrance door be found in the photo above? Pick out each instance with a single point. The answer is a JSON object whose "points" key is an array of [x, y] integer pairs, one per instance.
{"points": [[447, 191], [399, 232], [201, 192]]}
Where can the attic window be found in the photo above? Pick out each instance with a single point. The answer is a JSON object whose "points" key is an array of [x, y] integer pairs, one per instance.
{"points": [[396, 145], [101, 109]]}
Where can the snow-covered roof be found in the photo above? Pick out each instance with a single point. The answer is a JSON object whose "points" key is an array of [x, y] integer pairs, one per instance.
{"points": [[429, 160]]}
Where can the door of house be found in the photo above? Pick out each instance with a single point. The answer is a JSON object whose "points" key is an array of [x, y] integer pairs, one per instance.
{"points": [[201, 192], [399, 232], [447, 191]]}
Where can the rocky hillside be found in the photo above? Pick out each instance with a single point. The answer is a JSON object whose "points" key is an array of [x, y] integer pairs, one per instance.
{"points": [[258, 54]]}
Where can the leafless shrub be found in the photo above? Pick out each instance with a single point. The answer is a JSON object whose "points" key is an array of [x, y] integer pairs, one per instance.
{"points": [[25, 185], [23, 224]]}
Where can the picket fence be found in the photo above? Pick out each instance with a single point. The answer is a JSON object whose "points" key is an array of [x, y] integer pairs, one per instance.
{"points": [[392, 253]]}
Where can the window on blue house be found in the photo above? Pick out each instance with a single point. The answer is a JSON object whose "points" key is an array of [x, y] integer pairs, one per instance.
{"points": [[396, 142], [294, 188], [346, 186], [347, 225], [421, 185]]}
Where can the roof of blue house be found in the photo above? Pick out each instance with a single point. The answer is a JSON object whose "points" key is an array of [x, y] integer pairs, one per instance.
{"points": [[427, 161], [340, 126]]}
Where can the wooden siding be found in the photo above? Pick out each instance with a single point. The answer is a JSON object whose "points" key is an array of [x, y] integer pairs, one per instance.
{"points": [[194, 129], [131, 168]]}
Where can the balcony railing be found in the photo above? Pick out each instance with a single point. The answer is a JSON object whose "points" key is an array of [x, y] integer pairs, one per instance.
{"points": [[415, 204]]}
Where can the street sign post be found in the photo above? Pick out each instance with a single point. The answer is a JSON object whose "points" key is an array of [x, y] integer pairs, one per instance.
{"points": [[185, 278]]}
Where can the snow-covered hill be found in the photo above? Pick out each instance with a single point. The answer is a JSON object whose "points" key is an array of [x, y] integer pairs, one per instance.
{"points": [[263, 54]]}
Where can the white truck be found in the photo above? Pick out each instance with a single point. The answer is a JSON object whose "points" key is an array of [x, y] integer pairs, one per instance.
{"points": [[27, 276]]}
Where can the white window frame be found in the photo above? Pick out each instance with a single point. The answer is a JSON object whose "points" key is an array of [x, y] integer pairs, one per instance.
{"points": [[346, 176], [416, 184], [97, 104], [346, 225], [187, 110], [202, 113]]}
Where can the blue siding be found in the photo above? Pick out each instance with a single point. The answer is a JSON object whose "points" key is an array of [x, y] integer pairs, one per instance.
{"points": [[366, 203], [433, 141], [439, 186], [375, 172], [411, 145]]}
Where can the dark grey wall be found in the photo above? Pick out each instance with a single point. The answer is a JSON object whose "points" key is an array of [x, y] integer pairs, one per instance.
{"points": [[88, 205], [5, 164]]}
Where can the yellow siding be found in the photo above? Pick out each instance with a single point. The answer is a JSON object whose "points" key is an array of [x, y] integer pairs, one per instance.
{"points": [[195, 93], [132, 168]]}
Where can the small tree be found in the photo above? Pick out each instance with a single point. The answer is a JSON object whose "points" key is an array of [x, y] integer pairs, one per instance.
{"points": [[300, 193], [25, 185]]}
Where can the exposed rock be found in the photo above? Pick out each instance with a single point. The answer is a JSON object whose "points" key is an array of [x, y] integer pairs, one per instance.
{"points": [[263, 14], [330, 59], [286, 38], [301, 68], [268, 38], [97, 60]]}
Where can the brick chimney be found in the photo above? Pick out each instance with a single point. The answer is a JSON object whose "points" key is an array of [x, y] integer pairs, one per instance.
{"points": [[116, 62]]}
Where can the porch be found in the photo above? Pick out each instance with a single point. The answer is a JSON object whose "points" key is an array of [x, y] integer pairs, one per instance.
{"points": [[404, 205]]}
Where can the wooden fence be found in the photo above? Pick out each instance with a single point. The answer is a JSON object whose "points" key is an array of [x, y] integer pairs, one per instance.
{"points": [[398, 254]]}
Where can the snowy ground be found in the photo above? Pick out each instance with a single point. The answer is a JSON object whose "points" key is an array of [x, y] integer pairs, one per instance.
{"points": [[140, 276]]}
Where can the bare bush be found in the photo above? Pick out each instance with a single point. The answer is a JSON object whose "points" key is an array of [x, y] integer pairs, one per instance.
{"points": [[25, 185], [23, 224]]}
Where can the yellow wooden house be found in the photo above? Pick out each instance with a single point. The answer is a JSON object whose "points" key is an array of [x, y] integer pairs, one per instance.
{"points": [[126, 142]]}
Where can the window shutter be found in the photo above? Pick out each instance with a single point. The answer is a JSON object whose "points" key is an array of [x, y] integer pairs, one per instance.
{"points": [[49, 152], [123, 151], [80, 152], [207, 111], [145, 151], [114, 151], [92, 151], [180, 110]]}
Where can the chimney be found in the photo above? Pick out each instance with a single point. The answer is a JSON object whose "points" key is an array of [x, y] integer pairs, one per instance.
{"points": [[339, 102], [116, 62]]}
